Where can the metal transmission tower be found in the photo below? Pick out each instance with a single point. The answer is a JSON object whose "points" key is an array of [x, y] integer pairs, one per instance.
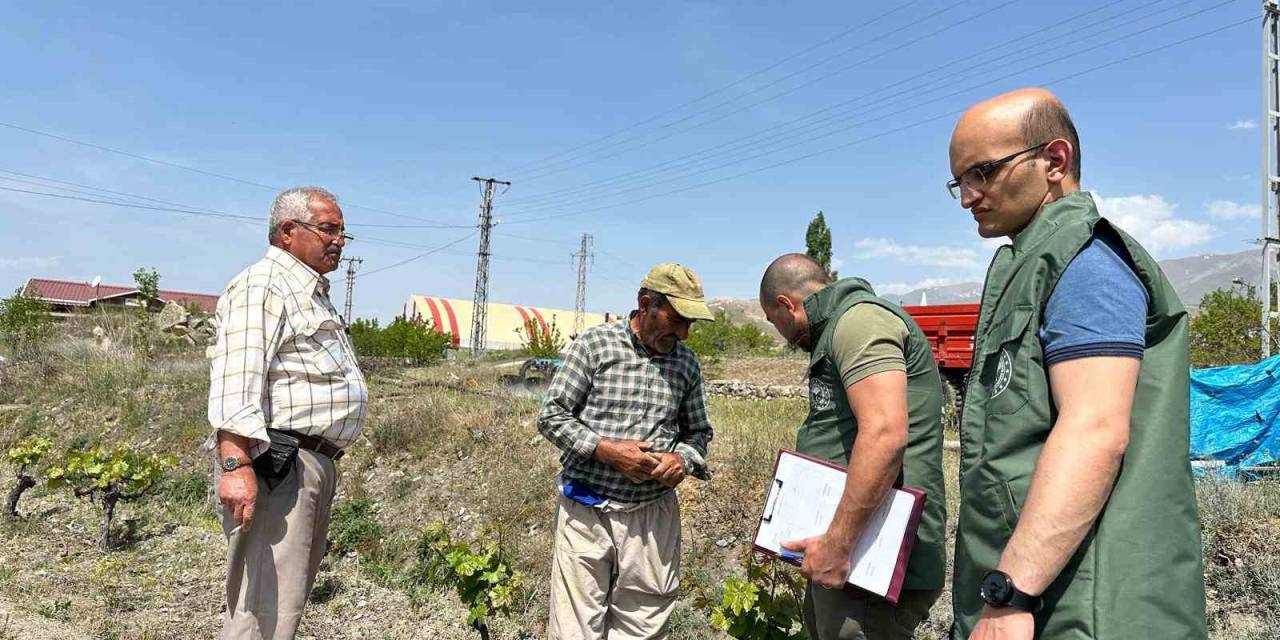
{"points": [[351, 284], [580, 307], [480, 308], [1270, 163]]}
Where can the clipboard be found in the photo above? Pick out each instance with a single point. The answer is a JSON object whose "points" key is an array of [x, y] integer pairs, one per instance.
{"points": [[800, 502]]}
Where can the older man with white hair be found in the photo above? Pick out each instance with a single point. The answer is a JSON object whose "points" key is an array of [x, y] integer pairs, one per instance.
{"points": [[285, 398]]}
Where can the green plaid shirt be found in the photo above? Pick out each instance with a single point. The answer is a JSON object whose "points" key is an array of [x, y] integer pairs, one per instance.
{"points": [[611, 386]]}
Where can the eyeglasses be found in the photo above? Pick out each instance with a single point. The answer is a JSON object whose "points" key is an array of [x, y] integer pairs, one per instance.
{"points": [[328, 230], [975, 178]]}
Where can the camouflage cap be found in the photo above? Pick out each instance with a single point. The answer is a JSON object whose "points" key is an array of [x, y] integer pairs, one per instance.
{"points": [[682, 288]]}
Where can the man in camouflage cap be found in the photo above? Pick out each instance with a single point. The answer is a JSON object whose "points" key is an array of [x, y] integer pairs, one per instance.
{"points": [[628, 412]]}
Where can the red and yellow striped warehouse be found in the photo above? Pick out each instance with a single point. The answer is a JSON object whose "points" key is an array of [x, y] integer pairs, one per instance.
{"points": [[454, 317]]}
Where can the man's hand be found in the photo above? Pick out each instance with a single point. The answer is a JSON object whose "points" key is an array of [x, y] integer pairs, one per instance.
{"points": [[826, 561], [1004, 624], [670, 470], [238, 493], [630, 457]]}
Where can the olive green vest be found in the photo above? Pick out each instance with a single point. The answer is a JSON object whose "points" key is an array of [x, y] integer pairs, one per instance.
{"points": [[1139, 572], [829, 430]]}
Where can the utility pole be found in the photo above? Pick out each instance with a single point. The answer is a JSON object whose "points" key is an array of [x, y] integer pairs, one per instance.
{"points": [[580, 307], [351, 284], [480, 307], [1270, 163]]}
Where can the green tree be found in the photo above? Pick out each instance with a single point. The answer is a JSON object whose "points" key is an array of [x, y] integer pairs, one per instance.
{"points": [[711, 338], [366, 335], [817, 243], [148, 283], [24, 322], [1227, 329], [414, 339], [539, 342]]}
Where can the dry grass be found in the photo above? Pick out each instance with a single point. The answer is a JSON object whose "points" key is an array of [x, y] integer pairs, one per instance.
{"points": [[443, 444]]}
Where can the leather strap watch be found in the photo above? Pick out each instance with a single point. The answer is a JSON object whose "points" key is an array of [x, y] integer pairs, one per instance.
{"points": [[231, 463], [997, 590]]}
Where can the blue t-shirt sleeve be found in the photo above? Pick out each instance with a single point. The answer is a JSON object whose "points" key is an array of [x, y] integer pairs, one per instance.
{"points": [[1098, 308]]}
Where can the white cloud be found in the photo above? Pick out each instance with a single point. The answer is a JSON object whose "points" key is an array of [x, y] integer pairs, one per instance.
{"points": [[29, 263], [1228, 210], [1150, 219], [1240, 125], [898, 288], [931, 256]]}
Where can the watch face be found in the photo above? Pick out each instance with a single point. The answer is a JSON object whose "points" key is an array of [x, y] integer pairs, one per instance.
{"points": [[996, 590]]}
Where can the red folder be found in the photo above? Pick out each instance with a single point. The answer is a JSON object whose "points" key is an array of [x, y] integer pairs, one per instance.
{"points": [[904, 549]]}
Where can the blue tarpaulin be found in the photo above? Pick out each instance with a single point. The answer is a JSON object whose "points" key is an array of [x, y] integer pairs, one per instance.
{"points": [[1235, 415]]}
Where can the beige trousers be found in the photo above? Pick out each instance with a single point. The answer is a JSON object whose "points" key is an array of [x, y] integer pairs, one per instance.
{"points": [[272, 566], [854, 614], [614, 575]]}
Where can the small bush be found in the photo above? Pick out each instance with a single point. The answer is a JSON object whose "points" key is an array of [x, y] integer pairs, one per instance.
{"points": [[483, 578], [722, 337], [415, 340], [24, 323], [25, 457], [539, 342], [353, 527], [765, 606], [110, 476]]}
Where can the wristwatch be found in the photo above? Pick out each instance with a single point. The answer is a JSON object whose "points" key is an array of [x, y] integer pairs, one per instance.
{"points": [[231, 463], [997, 590]]}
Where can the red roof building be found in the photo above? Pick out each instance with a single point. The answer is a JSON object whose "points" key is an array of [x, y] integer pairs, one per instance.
{"points": [[65, 296]]}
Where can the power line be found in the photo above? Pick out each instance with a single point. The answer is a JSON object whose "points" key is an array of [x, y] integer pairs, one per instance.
{"points": [[184, 167], [895, 130], [758, 72], [689, 160], [422, 255], [542, 173], [177, 208], [913, 102]]}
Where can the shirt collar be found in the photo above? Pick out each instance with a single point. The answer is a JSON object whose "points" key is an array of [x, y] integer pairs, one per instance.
{"points": [[306, 276]]}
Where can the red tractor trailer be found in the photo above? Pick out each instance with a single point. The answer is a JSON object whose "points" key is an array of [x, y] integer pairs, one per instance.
{"points": [[950, 328]]}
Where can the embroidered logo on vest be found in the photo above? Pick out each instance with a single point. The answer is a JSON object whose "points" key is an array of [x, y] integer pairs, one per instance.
{"points": [[1004, 374], [819, 396]]}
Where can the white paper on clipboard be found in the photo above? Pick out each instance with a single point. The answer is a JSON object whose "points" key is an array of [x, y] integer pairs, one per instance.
{"points": [[802, 501]]}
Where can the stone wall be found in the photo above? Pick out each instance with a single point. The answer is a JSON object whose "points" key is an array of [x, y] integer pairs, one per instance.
{"points": [[742, 389]]}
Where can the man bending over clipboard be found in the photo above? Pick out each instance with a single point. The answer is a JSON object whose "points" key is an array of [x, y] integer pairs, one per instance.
{"points": [[875, 406]]}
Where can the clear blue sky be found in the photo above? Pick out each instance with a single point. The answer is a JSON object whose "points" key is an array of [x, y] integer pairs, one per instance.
{"points": [[395, 106]]}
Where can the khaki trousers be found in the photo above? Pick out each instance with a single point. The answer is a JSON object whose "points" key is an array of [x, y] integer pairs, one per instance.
{"points": [[854, 614], [614, 575], [272, 566]]}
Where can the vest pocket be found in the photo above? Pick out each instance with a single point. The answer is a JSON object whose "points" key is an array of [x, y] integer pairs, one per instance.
{"points": [[1005, 362]]}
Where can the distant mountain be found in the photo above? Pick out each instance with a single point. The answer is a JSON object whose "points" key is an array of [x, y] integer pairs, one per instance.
{"points": [[1191, 277], [949, 294], [1195, 276]]}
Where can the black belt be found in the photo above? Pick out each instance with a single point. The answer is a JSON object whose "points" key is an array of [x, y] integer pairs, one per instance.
{"points": [[318, 445]]}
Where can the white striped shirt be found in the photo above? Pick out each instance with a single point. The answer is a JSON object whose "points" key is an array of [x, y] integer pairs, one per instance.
{"points": [[282, 358]]}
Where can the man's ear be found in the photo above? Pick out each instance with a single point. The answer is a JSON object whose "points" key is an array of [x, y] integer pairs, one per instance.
{"points": [[785, 302], [1060, 155]]}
